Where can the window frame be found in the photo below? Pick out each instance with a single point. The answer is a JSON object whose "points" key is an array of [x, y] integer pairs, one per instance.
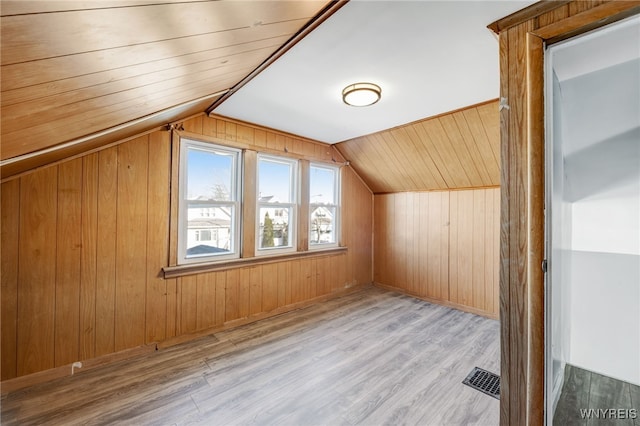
{"points": [[337, 187], [235, 203], [293, 205]]}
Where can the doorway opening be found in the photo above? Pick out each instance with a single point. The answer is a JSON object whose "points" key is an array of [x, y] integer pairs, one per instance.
{"points": [[592, 293]]}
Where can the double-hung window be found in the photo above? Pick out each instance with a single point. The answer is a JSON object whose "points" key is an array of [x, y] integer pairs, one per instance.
{"points": [[324, 211], [209, 207], [276, 204]]}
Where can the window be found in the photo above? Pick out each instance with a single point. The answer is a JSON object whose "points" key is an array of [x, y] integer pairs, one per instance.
{"points": [[209, 211], [324, 193], [276, 204]]}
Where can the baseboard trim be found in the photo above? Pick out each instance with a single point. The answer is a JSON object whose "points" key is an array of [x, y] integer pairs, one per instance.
{"points": [[263, 315], [22, 382], [446, 303]]}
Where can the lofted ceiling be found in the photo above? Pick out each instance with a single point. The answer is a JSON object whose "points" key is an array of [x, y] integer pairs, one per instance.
{"points": [[78, 75], [429, 57]]}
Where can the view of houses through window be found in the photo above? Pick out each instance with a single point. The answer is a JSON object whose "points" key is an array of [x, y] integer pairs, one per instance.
{"points": [[210, 203], [209, 200], [323, 206], [277, 182]]}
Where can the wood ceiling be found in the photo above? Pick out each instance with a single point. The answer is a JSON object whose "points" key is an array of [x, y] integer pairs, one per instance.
{"points": [[72, 69], [80, 75], [456, 150]]}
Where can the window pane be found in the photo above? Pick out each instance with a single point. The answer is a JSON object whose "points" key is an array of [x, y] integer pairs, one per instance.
{"points": [[275, 227], [322, 226], [274, 181], [209, 175], [322, 185], [209, 230]]}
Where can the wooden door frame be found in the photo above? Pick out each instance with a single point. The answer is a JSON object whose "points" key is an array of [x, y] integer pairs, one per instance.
{"points": [[533, 324]]}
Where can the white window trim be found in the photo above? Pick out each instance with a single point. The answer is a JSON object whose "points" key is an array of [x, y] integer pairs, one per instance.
{"points": [[293, 219], [338, 217], [183, 203]]}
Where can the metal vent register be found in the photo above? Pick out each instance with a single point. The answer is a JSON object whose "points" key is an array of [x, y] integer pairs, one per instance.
{"points": [[484, 381]]}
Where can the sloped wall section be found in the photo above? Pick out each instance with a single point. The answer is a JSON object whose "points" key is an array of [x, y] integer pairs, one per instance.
{"points": [[457, 150]]}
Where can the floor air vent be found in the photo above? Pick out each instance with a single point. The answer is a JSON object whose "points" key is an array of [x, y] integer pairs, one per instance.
{"points": [[484, 381]]}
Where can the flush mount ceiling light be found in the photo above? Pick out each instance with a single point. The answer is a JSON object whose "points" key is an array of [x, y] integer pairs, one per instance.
{"points": [[361, 94]]}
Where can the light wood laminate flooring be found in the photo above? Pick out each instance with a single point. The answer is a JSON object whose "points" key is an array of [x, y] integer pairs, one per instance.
{"points": [[370, 357]]}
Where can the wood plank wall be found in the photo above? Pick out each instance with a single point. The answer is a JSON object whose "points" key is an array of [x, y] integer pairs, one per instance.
{"points": [[442, 246], [84, 242]]}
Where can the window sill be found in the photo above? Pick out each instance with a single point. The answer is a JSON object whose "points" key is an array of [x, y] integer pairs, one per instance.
{"points": [[198, 268]]}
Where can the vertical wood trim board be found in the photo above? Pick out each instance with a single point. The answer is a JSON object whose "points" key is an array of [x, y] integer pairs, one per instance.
{"points": [[522, 207], [441, 246], [9, 244], [84, 242]]}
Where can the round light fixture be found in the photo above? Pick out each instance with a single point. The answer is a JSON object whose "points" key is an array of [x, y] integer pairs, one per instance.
{"points": [[361, 94]]}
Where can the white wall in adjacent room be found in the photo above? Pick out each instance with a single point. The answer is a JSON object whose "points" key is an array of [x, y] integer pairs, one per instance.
{"points": [[599, 92]]}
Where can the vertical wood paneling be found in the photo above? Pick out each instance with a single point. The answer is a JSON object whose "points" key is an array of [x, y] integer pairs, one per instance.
{"points": [[245, 134], [88, 257], [232, 293], [99, 230], [244, 292], [220, 309], [407, 222], [172, 307], [455, 292], [205, 301], [305, 278], [380, 238], [438, 244], [313, 284], [194, 125], [188, 303], [106, 251], [255, 290], [131, 243], [157, 243], [296, 281], [492, 251], [9, 240], [269, 287], [322, 272], [335, 275], [479, 240], [68, 256], [284, 283], [37, 271]]}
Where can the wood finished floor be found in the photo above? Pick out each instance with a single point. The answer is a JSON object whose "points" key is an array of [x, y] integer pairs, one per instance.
{"points": [[371, 357], [585, 389]]}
